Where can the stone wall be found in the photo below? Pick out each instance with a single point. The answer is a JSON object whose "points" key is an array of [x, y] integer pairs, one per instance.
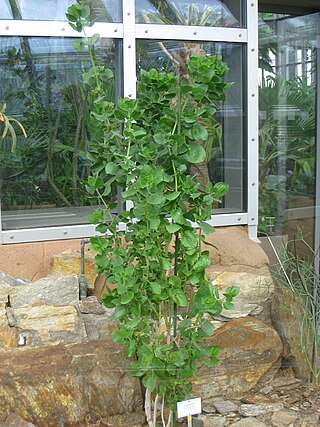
{"points": [[57, 357]]}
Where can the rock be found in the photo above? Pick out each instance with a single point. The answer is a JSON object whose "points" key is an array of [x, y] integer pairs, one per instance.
{"points": [[266, 389], [256, 399], [249, 358], [285, 383], [68, 385], [98, 326], [7, 280], [43, 324], [69, 262], [60, 290], [14, 420], [247, 410], [126, 420], [236, 252], [211, 421], [196, 422], [225, 407], [208, 407], [255, 290], [283, 418], [308, 420], [286, 311], [7, 283], [91, 305], [293, 398], [3, 315], [9, 337], [249, 422]]}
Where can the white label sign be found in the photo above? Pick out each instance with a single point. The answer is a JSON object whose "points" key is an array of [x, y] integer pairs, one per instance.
{"points": [[189, 407]]}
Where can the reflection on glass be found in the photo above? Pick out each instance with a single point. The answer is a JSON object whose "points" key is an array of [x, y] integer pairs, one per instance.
{"points": [[287, 124], [42, 87], [224, 147], [214, 13], [54, 10]]}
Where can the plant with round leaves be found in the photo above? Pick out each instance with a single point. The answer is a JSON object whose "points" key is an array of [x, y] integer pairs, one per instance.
{"points": [[154, 259]]}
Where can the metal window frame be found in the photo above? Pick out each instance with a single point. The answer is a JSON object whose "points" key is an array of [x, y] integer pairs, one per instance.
{"points": [[129, 32]]}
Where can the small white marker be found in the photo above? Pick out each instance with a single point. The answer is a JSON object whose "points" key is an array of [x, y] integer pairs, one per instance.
{"points": [[187, 408]]}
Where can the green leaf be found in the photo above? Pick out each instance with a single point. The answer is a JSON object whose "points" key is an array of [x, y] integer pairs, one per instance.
{"points": [[85, 11], [133, 323], [155, 199], [78, 45], [119, 312], [102, 228], [206, 228], [189, 239], [231, 291], [184, 324], [203, 262], [221, 188], [173, 195], [173, 228], [159, 138], [95, 38], [207, 327], [228, 305], [200, 133], [179, 298], [111, 168], [156, 288], [154, 223], [166, 264], [194, 278], [126, 298], [150, 381], [120, 335], [175, 281], [177, 216], [196, 154], [177, 358]]}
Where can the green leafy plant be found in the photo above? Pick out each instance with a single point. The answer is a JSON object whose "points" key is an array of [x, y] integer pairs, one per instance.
{"points": [[154, 259]]}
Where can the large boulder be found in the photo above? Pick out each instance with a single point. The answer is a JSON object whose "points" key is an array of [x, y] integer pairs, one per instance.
{"points": [[255, 291], [68, 385], [236, 252], [250, 357], [59, 290], [43, 324]]}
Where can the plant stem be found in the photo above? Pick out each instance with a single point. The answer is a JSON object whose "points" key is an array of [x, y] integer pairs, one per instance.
{"points": [[93, 64]]}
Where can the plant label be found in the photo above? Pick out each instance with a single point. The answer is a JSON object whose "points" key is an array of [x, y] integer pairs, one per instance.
{"points": [[189, 407]]}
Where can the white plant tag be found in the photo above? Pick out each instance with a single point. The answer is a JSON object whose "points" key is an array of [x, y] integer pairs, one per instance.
{"points": [[189, 407]]}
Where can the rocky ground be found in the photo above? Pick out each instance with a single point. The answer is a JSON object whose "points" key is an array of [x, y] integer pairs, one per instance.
{"points": [[284, 402]]}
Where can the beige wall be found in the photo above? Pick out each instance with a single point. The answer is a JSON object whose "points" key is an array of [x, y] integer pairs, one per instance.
{"points": [[31, 260]]}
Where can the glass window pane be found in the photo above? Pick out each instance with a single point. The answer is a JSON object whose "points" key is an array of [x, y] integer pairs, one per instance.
{"points": [[288, 93], [54, 10], [43, 181], [210, 13], [225, 145]]}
